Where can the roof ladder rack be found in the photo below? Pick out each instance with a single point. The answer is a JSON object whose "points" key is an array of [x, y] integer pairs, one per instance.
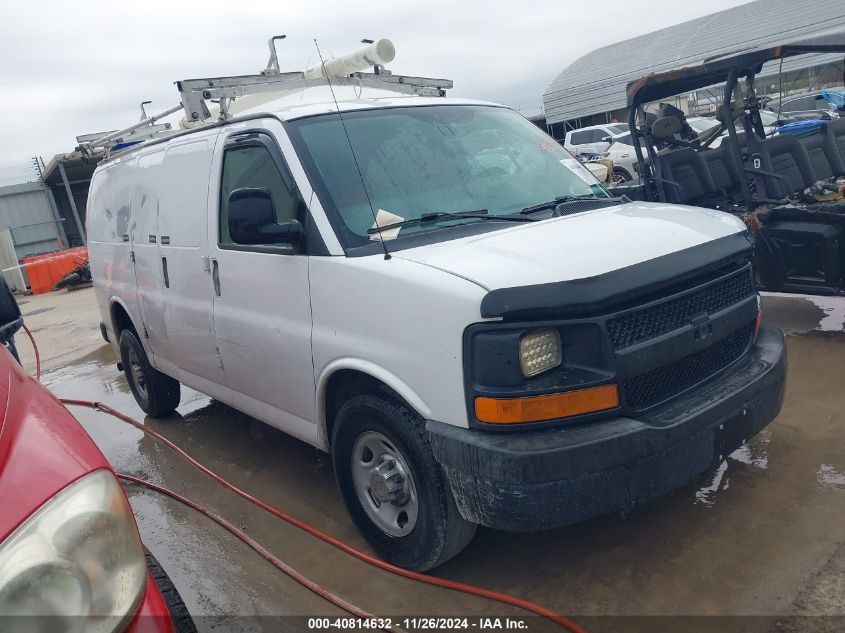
{"points": [[144, 129], [340, 71], [346, 70]]}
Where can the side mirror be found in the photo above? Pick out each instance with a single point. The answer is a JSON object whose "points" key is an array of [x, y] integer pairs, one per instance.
{"points": [[252, 219], [606, 139]]}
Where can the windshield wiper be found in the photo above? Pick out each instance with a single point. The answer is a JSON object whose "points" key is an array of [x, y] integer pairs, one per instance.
{"points": [[425, 218], [552, 204]]}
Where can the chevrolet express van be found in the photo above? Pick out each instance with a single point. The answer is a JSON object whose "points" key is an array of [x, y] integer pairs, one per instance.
{"points": [[437, 294]]}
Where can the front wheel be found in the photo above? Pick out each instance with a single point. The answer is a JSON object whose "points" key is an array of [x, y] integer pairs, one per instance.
{"points": [[182, 620], [622, 175], [393, 487]]}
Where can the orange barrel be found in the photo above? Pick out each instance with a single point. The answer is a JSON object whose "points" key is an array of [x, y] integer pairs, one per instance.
{"points": [[45, 270], [38, 271]]}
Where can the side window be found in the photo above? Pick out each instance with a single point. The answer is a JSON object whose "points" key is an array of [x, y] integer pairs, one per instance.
{"points": [[251, 166], [598, 135], [579, 138], [802, 103]]}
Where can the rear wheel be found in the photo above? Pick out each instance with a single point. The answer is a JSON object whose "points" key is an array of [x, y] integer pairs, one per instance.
{"points": [[154, 392], [393, 487]]}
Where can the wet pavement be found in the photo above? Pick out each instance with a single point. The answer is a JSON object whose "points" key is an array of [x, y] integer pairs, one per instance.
{"points": [[763, 534]]}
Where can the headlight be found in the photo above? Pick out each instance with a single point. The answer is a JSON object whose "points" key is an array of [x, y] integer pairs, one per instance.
{"points": [[539, 351], [77, 564]]}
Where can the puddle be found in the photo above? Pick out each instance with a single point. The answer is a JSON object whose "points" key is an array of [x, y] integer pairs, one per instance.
{"points": [[797, 314], [834, 308], [706, 494], [829, 476], [756, 452]]}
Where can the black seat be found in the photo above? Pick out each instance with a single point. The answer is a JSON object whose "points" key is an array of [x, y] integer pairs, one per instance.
{"points": [[724, 167], [823, 153], [786, 156], [686, 176]]}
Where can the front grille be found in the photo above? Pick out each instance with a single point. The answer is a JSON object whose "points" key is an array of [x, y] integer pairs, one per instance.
{"points": [[647, 323], [661, 383]]}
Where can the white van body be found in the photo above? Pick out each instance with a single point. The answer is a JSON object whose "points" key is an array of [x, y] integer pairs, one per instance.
{"points": [[265, 331], [241, 349]]}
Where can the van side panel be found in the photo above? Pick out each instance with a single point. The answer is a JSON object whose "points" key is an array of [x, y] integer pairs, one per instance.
{"points": [[183, 245], [144, 240], [108, 227]]}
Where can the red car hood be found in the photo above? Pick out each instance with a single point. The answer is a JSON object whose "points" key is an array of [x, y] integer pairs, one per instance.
{"points": [[42, 446]]}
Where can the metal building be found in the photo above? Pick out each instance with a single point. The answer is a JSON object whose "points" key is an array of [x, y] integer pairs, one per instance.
{"points": [[29, 220], [591, 90], [69, 177]]}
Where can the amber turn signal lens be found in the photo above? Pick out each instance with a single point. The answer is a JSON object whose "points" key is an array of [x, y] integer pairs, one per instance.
{"points": [[547, 407]]}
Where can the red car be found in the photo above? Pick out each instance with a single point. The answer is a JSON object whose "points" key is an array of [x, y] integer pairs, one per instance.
{"points": [[71, 558]]}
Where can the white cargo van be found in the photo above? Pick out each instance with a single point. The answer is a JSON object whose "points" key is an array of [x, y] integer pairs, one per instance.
{"points": [[436, 293]]}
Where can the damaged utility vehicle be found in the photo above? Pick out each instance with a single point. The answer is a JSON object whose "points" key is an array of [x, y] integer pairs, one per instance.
{"points": [[787, 188], [435, 292]]}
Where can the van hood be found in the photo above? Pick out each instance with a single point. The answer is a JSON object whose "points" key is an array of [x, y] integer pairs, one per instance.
{"points": [[574, 247]]}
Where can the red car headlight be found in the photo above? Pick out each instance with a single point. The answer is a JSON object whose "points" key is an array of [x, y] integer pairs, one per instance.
{"points": [[76, 564]]}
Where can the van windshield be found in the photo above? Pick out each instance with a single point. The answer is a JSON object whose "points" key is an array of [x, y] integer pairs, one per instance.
{"points": [[432, 159]]}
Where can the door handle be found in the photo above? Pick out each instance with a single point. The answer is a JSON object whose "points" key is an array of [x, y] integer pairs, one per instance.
{"points": [[215, 276], [164, 271]]}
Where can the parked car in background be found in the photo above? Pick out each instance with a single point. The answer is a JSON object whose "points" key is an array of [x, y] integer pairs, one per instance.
{"points": [[71, 558], [806, 106], [702, 123], [594, 139], [621, 152], [772, 121]]}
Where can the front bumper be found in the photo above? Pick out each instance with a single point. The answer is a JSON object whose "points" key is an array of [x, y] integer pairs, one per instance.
{"points": [[535, 480], [152, 615]]}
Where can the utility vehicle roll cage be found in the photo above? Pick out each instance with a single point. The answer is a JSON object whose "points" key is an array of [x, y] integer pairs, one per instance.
{"points": [[727, 69]]}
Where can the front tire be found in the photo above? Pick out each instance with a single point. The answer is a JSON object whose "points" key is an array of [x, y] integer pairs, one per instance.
{"points": [[393, 487], [182, 620], [624, 176], [155, 393]]}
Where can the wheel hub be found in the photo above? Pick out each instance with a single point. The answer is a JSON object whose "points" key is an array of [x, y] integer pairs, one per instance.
{"points": [[388, 482], [137, 373], [384, 484]]}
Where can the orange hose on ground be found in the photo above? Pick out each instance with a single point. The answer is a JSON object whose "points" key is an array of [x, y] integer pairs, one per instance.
{"points": [[454, 585], [37, 354], [276, 562]]}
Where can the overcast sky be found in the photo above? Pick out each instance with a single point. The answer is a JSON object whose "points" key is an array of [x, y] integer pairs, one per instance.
{"points": [[69, 68]]}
